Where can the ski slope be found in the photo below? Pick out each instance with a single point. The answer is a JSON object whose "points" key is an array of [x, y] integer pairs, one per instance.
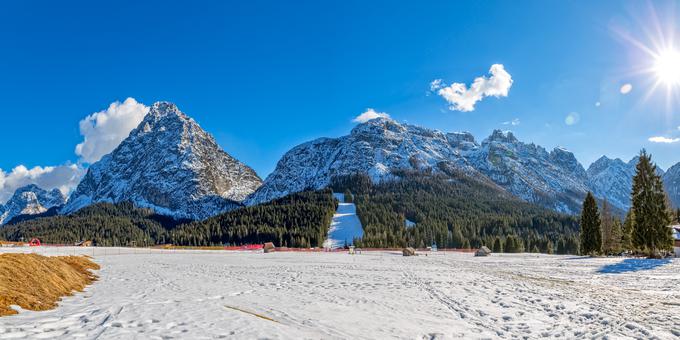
{"points": [[153, 294], [345, 225]]}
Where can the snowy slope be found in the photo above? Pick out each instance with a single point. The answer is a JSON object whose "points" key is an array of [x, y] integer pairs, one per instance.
{"points": [[168, 163], [154, 294], [613, 179], [345, 226], [30, 200]]}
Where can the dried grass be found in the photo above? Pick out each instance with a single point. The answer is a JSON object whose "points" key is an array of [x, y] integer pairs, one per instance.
{"points": [[37, 282]]}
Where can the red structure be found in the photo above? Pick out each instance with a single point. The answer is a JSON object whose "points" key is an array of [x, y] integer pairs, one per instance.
{"points": [[34, 242]]}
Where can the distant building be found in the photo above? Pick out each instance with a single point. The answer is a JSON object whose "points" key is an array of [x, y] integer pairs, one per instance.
{"points": [[676, 239]]}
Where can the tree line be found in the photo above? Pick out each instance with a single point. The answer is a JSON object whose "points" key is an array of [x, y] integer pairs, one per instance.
{"points": [[298, 220], [453, 210]]}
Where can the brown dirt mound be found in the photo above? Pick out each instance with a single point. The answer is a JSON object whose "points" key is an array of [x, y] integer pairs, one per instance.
{"points": [[37, 282]]}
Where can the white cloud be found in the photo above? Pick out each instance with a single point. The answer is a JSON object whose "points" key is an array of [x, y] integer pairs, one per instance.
{"points": [[435, 85], [661, 139], [464, 99], [370, 114], [626, 88], [513, 122], [572, 118], [104, 130], [597, 104], [678, 127], [63, 177]]}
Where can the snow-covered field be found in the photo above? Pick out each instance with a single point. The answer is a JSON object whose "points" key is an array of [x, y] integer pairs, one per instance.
{"points": [[345, 225], [376, 295]]}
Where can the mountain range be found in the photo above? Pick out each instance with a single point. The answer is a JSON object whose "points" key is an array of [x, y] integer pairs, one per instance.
{"points": [[553, 179], [30, 200], [171, 165]]}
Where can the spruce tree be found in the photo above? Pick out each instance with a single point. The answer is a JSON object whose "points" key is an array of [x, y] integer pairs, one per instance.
{"points": [[591, 236], [627, 232], [549, 248], [348, 196], [607, 226], [617, 232], [650, 230], [497, 247]]}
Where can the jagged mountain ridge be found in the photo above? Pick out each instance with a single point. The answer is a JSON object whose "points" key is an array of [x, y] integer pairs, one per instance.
{"points": [[671, 180], [30, 200], [553, 179], [170, 164]]}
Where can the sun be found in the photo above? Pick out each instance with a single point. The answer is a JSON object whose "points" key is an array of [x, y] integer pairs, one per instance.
{"points": [[667, 67]]}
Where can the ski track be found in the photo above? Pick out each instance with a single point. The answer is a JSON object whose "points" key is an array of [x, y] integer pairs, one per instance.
{"points": [[153, 294], [345, 225]]}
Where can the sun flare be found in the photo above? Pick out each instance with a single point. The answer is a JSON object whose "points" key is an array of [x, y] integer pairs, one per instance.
{"points": [[667, 67]]}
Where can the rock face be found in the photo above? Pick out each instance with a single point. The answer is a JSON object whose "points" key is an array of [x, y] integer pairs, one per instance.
{"points": [[671, 180], [170, 164], [553, 179], [374, 148], [612, 179], [30, 200]]}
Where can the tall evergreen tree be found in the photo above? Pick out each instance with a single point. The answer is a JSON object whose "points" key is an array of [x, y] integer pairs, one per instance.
{"points": [[627, 232], [497, 247], [591, 236], [650, 230], [348, 196]]}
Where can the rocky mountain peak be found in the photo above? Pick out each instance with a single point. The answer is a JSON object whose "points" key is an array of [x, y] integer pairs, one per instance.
{"points": [[565, 159], [381, 126], [30, 200], [502, 136], [170, 164]]}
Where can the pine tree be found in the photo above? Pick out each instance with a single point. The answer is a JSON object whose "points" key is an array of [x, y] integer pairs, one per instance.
{"points": [[650, 232], [606, 226], [549, 248], [348, 196], [591, 236], [627, 232], [497, 247], [617, 232]]}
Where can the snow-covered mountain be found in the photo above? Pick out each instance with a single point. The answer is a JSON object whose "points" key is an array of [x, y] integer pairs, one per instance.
{"points": [[30, 200], [612, 179], [170, 164], [671, 180], [372, 148], [553, 179]]}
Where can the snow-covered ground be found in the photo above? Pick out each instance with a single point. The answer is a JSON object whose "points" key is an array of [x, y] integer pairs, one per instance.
{"points": [[345, 225], [149, 294]]}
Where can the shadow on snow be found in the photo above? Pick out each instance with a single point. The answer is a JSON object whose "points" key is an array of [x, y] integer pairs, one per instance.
{"points": [[632, 265]]}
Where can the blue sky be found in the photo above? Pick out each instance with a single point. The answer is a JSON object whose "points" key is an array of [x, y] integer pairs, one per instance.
{"points": [[263, 76]]}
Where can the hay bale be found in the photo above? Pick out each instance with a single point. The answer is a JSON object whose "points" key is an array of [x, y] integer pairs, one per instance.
{"points": [[269, 247], [483, 251], [408, 251], [37, 282]]}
